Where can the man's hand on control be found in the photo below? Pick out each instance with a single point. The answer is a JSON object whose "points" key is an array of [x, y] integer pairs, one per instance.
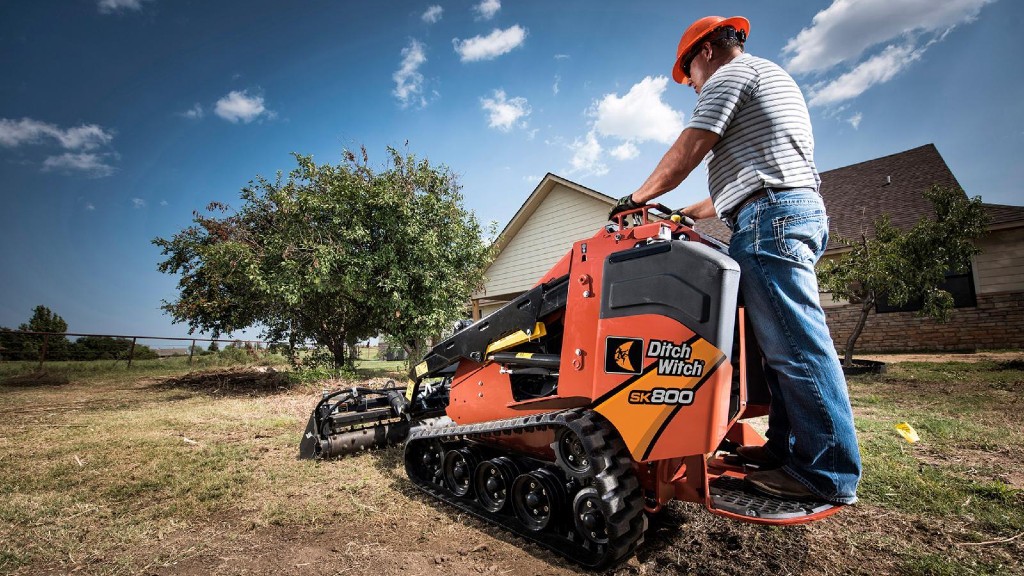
{"points": [[625, 203], [681, 216]]}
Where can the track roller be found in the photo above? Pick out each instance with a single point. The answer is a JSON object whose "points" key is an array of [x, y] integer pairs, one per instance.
{"points": [[537, 498], [589, 517], [459, 465], [492, 481], [429, 462], [589, 509]]}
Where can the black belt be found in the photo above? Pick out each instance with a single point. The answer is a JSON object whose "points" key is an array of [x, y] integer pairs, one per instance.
{"points": [[730, 219], [762, 193]]}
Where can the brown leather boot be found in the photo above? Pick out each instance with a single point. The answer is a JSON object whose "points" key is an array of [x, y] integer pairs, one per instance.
{"points": [[759, 455], [780, 484]]}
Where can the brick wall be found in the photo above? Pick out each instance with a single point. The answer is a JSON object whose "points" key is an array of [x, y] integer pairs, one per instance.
{"points": [[997, 322]]}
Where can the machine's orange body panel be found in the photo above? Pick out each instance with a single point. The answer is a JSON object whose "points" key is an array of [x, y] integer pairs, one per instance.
{"points": [[674, 397]]}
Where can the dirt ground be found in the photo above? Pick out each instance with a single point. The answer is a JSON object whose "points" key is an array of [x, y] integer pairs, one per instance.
{"points": [[381, 524], [1004, 356]]}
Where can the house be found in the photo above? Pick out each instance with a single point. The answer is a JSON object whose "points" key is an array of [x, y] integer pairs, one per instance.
{"points": [[990, 297]]}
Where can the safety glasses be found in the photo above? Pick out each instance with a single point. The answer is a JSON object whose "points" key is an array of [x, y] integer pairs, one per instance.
{"points": [[688, 59]]}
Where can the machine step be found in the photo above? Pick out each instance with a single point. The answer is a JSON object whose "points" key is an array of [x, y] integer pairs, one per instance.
{"points": [[731, 495]]}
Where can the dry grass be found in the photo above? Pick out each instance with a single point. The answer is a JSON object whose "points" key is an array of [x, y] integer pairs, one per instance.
{"points": [[196, 474]]}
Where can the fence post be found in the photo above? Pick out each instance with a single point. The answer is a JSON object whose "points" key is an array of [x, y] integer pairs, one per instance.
{"points": [[42, 354], [191, 351], [131, 353]]}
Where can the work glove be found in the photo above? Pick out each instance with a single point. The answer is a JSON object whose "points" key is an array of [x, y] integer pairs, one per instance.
{"points": [[679, 216], [625, 203]]}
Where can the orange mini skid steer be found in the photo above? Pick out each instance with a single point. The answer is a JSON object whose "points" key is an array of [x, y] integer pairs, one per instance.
{"points": [[618, 383]]}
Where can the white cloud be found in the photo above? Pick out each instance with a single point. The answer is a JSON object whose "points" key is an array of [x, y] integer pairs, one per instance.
{"points": [[876, 70], [109, 6], [562, 56], [408, 80], [433, 14], [488, 8], [164, 203], [586, 156], [194, 113], [640, 115], [489, 47], [625, 151], [89, 206], [92, 164], [847, 28], [855, 120], [138, 203], [842, 33], [505, 114], [634, 118], [15, 133], [554, 87], [241, 107]]}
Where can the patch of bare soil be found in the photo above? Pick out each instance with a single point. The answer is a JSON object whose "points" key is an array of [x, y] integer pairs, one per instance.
{"points": [[37, 378], [1010, 356], [684, 539], [350, 549], [998, 466], [260, 381]]}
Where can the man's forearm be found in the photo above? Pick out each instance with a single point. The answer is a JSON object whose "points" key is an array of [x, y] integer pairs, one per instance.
{"points": [[685, 154], [703, 209]]}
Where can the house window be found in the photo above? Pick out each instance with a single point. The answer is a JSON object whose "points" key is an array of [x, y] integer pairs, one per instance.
{"points": [[961, 286]]}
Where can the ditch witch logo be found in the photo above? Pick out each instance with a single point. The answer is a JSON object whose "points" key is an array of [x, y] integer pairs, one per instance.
{"points": [[625, 356], [674, 359]]}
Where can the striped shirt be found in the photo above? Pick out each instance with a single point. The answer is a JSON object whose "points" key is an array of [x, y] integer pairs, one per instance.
{"points": [[766, 140]]}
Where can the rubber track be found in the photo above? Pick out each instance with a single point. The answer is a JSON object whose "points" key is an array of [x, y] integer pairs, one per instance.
{"points": [[615, 481]]}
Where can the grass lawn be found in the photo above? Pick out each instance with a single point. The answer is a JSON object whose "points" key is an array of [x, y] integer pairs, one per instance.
{"points": [[159, 470]]}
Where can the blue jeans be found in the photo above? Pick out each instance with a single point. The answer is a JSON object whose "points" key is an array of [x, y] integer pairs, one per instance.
{"points": [[776, 241]]}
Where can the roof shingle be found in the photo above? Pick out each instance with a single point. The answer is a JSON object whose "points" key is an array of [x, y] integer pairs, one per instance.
{"points": [[856, 195]]}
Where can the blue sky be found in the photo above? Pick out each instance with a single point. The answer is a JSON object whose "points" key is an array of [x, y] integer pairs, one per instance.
{"points": [[118, 118]]}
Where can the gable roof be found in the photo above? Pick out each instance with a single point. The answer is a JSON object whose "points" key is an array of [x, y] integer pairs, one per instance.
{"points": [[856, 195], [534, 200], [556, 214], [1003, 216]]}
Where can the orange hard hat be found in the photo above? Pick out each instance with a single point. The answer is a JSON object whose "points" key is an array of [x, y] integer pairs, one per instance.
{"points": [[699, 30]]}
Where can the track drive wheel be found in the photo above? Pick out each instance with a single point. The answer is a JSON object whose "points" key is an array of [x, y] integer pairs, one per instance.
{"points": [[571, 455], [611, 502]]}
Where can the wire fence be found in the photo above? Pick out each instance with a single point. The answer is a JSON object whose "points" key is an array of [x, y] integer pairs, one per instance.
{"points": [[21, 346]]}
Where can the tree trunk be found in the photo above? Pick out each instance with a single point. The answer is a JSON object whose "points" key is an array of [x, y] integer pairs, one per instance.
{"points": [[414, 350], [865, 308], [339, 349]]}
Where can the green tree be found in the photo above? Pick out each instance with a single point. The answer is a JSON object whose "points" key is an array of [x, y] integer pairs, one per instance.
{"points": [[44, 320], [107, 348], [332, 254], [213, 347], [904, 266]]}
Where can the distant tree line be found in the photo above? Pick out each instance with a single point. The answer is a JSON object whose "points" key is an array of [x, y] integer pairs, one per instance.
{"points": [[17, 346]]}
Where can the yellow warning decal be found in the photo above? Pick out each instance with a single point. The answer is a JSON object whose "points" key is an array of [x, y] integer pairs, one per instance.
{"points": [[524, 355], [518, 338], [421, 369], [409, 389]]}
